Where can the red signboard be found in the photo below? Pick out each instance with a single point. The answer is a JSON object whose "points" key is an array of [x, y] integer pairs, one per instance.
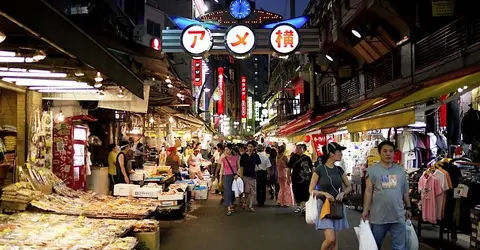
{"points": [[156, 44], [197, 72], [63, 152], [319, 140], [243, 93], [221, 90]]}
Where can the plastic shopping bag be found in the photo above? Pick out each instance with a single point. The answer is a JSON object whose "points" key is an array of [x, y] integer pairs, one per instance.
{"points": [[311, 210], [412, 239], [365, 237]]}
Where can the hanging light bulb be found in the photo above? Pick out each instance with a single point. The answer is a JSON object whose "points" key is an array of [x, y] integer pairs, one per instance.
{"points": [[98, 77], [39, 55], [168, 79], [151, 120], [60, 117], [2, 37], [171, 120], [170, 85], [120, 93], [97, 85]]}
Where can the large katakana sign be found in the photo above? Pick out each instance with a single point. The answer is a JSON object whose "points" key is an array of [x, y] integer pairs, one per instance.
{"points": [[196, 40], [240, 40]]}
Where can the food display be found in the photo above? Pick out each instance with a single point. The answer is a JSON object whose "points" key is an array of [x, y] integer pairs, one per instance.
{"points": [[17, 196], [145, 226], [28, 231]]}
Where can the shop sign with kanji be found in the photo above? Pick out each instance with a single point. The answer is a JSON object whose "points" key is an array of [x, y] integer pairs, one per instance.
{"points": [[284, 39]]}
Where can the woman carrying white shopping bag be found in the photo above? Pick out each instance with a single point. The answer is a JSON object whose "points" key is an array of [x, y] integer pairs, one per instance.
{"points": [[330, 178]]}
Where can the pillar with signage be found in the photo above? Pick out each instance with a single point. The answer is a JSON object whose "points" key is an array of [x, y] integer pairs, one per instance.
{"points": [[243, 95], [221, 89]]}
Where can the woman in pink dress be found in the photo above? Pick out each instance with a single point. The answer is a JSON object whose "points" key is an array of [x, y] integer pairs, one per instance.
{"points": [[285, 195]]}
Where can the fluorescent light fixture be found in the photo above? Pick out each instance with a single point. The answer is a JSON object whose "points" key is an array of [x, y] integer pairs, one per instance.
{"points": [[12, 59], [206, 90], [39, 55], [418, 124], [13, 69], [42, 82], [39, 71], [329, 58], [8, 53], [356, 33], [98, 77], [33, 74], [60, 87], [67, 90]]}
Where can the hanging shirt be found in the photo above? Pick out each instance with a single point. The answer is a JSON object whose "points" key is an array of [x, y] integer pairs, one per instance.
{"points": [[430, 188], [444, 187]]}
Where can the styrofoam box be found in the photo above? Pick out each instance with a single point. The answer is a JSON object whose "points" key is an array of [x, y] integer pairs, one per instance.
{"points": [[201, 194], [168, 203], [175, 197], [137, 176], [123, 189], [146, 192]]}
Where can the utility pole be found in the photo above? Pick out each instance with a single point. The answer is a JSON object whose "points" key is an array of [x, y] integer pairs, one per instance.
{"points": [[292, 8]]}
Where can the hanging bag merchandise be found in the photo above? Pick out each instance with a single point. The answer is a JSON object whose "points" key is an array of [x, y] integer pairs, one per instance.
{"points": [[365, 236], [311, 210], [412, 239]]}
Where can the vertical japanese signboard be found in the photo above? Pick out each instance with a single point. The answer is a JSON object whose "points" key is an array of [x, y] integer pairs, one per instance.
{"points": [[63, 152], [197, 72], [243, 95], [318, 141], [221, 89]]}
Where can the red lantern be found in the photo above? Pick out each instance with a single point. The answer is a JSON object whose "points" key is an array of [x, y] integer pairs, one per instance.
{"points": [[308, 138]]}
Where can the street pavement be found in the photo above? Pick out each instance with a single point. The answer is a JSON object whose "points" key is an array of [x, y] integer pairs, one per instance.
{"points": [[270, 227]]}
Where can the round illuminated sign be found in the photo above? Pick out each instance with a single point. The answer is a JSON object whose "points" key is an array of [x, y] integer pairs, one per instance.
{"points": [[196, 40], [155, 43], [240, 40], [284, 39]]}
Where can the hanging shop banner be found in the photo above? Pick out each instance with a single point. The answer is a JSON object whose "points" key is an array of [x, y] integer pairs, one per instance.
{"points": [[318, 141], [63, 152], [284, 39], [243, 84], [221, 89], [442, 8], [240, 40], [197, 78], [250, 108], [196, 40]]}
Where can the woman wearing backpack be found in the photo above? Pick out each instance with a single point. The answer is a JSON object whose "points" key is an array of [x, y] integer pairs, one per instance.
{"points": [[330, 179]]}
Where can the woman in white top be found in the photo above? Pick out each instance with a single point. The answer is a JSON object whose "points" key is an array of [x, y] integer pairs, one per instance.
{"points": [[194, 164]]}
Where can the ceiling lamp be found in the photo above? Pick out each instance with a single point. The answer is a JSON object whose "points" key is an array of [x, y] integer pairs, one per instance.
{"points": [[171, 120], [98, 85], [98, 77], [120, 93], [170, 85], [356, 33], [151, 120], [330, 58], [39, 55], [60, 117], [206, 90], [79, 73], [2, 37], [168, 79]]}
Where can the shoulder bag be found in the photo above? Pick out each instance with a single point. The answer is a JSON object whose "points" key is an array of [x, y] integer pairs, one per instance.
{"points": [[336, 207]]}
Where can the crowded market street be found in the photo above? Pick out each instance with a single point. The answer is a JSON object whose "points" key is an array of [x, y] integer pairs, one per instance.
{"points": [[270, 227]]}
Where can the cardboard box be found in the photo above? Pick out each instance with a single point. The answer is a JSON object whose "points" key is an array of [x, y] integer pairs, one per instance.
{"points": [[175, 197], [124, 190], [146, 192], [201, 193], [151, 239]]}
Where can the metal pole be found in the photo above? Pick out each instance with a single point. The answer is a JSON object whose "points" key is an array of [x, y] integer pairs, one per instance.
{"points": [[313, 78], [292, 8]]}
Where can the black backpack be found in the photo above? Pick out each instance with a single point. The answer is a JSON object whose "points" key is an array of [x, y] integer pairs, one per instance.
{"points": [[470, 124]]}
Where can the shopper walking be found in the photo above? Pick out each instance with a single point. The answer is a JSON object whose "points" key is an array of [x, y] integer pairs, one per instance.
{"points": [[301, 171], [387, 202], [263, 170], [174, 161], [285, 195], [248, 165], [330, 178], [273, 176], [229, 170], [194, 163], [121, 164]]}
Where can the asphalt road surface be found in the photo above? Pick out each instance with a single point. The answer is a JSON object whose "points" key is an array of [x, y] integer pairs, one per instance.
{"points": [[270, 227]]}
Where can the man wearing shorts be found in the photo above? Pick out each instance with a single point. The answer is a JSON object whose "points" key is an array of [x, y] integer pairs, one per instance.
{"points": [[248, 163]]}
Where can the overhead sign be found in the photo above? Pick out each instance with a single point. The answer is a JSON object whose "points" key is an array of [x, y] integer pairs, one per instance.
{"points": [[240, 40], [221, 89], [156, 44], [284, 39], [250, 108], [196, 40], [243, 94], [197, 72]]}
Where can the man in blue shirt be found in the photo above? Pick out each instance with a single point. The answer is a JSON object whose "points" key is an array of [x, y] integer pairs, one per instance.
{"points": [[386, 201]]}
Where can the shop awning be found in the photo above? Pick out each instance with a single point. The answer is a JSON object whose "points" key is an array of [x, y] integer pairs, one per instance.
{"points": [[347, 114], [56, 29], [402, 112]]}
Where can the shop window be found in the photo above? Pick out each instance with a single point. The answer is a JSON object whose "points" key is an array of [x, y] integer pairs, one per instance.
{"points": [[153, 28]]}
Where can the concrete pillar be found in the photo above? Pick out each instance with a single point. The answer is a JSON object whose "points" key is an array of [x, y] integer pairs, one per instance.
{"points": [[313, 79]]}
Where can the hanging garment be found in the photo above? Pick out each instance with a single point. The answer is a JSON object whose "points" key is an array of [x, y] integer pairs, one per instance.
{"points": [[433, 144], [469, 125], [444, 187], [89, 163], [429, 188]]}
